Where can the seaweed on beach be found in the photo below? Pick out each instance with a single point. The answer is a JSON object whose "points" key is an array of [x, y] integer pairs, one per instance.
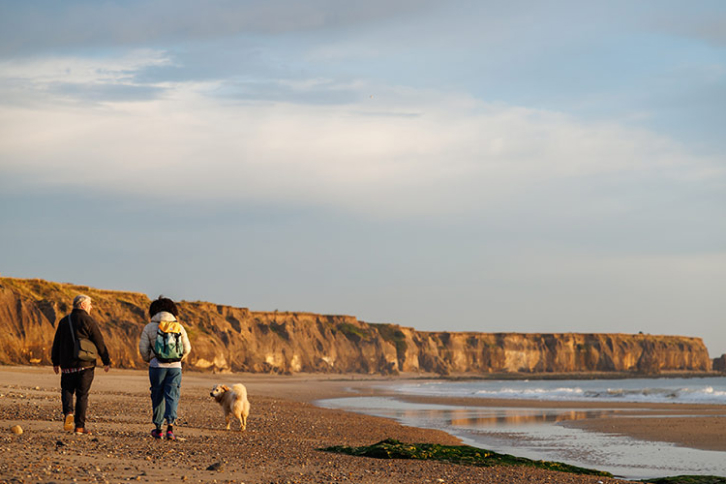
{"points": [[455, 454], [687, 480]]}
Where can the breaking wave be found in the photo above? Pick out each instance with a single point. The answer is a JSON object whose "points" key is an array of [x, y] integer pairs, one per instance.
{"points": [[661, 390]]}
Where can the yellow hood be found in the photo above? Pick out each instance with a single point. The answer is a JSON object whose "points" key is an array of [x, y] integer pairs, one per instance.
{"points": [[170, 326]]}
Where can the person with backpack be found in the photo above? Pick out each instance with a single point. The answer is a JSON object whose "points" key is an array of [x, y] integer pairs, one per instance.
{"points": [[164, 344], [76, 345]]}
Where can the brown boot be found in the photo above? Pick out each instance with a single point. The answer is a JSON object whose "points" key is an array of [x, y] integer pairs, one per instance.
{"points": [[68, 423]]}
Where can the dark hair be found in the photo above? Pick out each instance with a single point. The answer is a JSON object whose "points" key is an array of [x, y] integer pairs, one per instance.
{"points": [[163, 304]]}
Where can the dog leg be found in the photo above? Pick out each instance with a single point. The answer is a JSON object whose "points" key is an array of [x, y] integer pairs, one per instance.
{"points": [[242, 423], [227, 419]]}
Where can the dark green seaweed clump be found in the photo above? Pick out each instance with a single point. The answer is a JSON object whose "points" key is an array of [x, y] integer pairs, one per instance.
{"points": [[687, 480], [455, 454]]}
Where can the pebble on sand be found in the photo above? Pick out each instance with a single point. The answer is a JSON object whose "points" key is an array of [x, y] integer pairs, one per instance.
{"points": [[217, 466], [16, 429]]}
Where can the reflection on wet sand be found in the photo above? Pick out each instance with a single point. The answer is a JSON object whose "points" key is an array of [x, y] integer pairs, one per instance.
{"points": [[503, 417], [509, 418]]}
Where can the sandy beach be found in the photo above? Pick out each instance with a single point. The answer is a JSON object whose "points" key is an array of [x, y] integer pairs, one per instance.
{"points": [[280, 445]]}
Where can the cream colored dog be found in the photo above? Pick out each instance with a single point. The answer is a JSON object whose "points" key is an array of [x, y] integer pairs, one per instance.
{"points": [[234, 402]]}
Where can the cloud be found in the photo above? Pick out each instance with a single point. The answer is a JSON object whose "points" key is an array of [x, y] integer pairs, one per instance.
{"points": [[38, 26], [78, 70], [354, 146], [401, 152], [705, 22], [68, 79]]}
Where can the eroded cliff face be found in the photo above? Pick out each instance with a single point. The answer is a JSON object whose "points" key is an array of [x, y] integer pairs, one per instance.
{"points": [[228, 338]]}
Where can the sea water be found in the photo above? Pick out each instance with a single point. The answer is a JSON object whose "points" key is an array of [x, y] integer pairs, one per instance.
{"points": [[646, 390], [538, 433]]}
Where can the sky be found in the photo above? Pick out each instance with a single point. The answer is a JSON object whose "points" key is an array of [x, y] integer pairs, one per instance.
{"points": [[490, 166]]}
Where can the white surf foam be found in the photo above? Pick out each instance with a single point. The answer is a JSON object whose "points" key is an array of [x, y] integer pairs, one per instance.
{"points": [[698, 391]]}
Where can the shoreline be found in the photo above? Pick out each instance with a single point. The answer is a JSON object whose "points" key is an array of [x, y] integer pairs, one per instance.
{"points": [[589, 375], [696, 426], [284, 432]]}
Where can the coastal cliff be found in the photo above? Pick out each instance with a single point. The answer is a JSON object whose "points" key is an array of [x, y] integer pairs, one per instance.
{"points": [[227, 338]]}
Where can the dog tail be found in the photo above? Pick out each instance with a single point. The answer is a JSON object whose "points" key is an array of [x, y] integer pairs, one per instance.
{"points": [[240, 390]]}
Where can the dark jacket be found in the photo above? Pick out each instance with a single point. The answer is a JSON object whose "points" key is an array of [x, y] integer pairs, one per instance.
{"points": [[85, 327]]}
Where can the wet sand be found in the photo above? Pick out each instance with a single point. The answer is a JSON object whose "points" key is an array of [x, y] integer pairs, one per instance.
{"points": [[280, 445], [689, 425]]}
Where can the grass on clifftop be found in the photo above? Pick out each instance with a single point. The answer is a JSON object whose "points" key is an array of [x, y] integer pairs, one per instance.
{"points": [[455, 454]]}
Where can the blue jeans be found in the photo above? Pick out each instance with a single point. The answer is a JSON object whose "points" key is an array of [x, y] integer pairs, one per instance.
{"points": [[165, 385]]}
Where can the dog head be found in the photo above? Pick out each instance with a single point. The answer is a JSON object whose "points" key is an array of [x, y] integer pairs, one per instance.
{"points": [[218, 391]]}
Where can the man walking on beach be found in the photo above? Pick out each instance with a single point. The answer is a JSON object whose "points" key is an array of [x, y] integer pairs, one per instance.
{"points": [[77, 375]]}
